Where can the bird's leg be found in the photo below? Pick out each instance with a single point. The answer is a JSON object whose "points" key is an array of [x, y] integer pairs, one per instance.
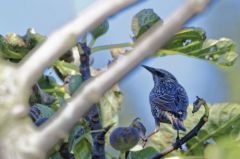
{"points": [[171, 119], [178, 139], [145, 139]]}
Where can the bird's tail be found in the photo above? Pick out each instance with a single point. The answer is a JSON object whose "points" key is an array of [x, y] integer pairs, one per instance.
{"points": [[178, 124]]}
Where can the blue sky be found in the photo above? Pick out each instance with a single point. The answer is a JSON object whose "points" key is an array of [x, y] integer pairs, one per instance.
{"points": [[197, 76]]}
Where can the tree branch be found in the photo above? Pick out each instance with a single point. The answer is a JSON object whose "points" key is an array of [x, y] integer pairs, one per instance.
{"points": [[32, 66], [91, 91]]}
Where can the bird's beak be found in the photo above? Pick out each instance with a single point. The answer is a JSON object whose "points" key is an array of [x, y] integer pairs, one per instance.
{"points": [[150, 69]]}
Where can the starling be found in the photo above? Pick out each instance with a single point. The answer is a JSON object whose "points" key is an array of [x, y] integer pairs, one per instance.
{"points": [[168, 100]]}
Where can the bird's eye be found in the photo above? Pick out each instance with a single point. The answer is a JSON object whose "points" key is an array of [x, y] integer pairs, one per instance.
{"points": [[160, 74]]}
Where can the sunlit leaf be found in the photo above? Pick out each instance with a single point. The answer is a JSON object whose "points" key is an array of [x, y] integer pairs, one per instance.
{"points": [[164, 138], [192, 42], [143, 20], [221, 52], [186, 40], [12, 47], [100, 30], [49, 85], [143, 154], [15, 47], [226, 148], [110, 105], [66, 68]]}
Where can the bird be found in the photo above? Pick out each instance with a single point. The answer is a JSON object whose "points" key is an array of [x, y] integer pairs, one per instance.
{"points": [[168, 100]]}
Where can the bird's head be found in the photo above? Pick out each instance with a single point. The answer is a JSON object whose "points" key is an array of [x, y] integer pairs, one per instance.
{"points": [[160, 74]]}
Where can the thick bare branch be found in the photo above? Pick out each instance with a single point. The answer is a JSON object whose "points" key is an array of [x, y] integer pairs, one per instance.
{"points": [[90, 92], [63, 39]]}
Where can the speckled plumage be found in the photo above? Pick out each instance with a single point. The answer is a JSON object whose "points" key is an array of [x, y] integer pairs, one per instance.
{"points": [[168, 99]]}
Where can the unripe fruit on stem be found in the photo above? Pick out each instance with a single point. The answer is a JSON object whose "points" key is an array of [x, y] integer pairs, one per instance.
{"points": [[124, 138]]}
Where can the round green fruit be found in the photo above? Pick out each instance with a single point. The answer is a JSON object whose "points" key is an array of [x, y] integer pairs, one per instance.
{"points": [[124, 138]]}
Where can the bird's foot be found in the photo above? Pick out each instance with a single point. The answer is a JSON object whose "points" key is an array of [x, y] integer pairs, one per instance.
{"points": [[178, 143]]}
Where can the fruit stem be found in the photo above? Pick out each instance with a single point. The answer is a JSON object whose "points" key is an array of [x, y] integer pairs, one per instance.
{"points": [[122, 155]]}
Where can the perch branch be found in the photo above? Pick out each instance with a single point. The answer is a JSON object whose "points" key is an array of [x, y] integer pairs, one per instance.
{"points": [[92, 90], [189, 135], [32, 66]]}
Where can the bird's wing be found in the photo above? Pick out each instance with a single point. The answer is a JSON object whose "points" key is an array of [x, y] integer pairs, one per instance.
{"points": [[175, 101], [164, 102], [182, 98], [181, 102]]}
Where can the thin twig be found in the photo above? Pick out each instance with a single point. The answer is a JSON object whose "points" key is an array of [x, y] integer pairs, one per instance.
{"points": [[111, 46], [92, 42], [92, 90], [189, 135], [93, 117]]}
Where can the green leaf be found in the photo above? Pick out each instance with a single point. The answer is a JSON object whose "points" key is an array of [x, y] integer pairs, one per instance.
{"points": [[66, 68], [73, 83], [192, 42], [110, 105], [49, 85], [224, 120], [15, 47], [44, 110], [40, 96], [226, 148], [143, 20], [56, 155], [77, 133], [221, 52], [100, 30], [32, 38], [164, 138], [12, 47], [80, 131], [186, 40], [60, 101], [82, 149], [142, 154]]}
